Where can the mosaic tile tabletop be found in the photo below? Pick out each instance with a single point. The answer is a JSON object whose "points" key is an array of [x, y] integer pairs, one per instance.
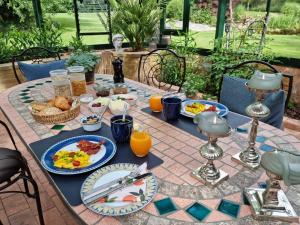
{"points": [[181, 199]]}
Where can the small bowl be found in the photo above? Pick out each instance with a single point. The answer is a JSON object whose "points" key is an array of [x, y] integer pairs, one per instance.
{"points": [[91, 123], [129, 98], [86, 98], [118, 110], [97, 109]]}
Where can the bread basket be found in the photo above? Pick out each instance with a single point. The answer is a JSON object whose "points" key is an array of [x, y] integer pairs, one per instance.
{"points": [[60, 117]]}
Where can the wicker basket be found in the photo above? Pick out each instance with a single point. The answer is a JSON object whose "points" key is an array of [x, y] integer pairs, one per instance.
{"points": [[58, 118]]}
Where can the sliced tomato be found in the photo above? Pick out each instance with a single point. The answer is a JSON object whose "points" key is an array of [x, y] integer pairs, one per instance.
{"points": [[55, 157], [76, 163]]}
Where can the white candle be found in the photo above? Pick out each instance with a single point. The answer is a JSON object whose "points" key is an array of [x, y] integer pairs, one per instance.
{"points": [[212, 124], [265, 81]]}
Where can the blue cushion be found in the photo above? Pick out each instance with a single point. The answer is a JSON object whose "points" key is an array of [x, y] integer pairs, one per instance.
{"points": [[235, 95], [38, 71]]}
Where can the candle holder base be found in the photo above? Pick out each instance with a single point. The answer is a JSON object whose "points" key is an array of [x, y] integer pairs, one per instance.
{"points": [[283, 211], [210, 182], [251, 165]]}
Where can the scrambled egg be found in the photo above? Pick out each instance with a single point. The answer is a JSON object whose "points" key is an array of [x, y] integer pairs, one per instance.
{"points": [[71, 160], [195, 108]]}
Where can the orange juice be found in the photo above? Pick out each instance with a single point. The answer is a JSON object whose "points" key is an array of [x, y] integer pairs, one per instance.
{"points": [[155, 103], [140, 143]]}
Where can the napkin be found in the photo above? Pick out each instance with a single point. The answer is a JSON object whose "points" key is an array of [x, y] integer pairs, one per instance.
{"points": [[132, 193]]}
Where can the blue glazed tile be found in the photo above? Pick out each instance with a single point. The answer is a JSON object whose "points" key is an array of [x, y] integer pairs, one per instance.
{"points": [[242, 130], [31, 86], [266, 148], [25, 90], [165, 206], [57, 127], [23, 94], [198, 211], [262, 184], [260, 139], [25, 98], [245, 200], [229, 208], [39, 84], [48, 81], [28, 101]]}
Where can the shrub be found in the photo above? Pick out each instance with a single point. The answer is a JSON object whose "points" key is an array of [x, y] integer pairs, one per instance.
{"points": [[175, 9], [201, 15], [239, 12], [17, 39], [290, 8]]}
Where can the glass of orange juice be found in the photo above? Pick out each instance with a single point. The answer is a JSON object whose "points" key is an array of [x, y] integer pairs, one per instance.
{"points": [[155, 103], [140, 141]]}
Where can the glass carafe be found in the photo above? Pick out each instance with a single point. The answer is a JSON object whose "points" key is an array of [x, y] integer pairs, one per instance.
{"points": [[60, 82]]}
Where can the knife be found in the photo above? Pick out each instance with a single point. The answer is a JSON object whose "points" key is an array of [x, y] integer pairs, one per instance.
{"points": [[89, 199]]}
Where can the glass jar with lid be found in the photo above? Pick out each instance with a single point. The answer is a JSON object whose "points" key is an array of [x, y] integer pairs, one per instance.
{"points": [[77, 77], [102, 90], [120, 88], [61, 82]]}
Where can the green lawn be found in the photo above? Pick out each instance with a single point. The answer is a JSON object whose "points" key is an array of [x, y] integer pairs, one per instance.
{"points": [[281, 45]]}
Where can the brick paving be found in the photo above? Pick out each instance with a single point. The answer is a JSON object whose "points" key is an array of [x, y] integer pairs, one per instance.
{"points": [[173, 175]]}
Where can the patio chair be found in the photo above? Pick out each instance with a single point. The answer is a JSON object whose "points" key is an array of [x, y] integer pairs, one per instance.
{"points": [[234, 94], [13, 167], [162, 68], [42, 62]]}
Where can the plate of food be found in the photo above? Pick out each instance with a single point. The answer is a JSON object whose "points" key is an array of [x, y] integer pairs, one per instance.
{"points": [[78, 154], [190, 108], [126, 200]]}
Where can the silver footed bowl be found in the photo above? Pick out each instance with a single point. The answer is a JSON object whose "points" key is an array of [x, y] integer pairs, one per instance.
{"points": [[284, 164]]}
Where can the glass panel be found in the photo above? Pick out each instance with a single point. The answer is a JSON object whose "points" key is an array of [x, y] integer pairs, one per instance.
{"points": [[174, 15]]}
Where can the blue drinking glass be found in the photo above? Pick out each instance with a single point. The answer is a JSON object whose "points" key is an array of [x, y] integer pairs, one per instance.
{"points": [[121, 130], [171, 108]]}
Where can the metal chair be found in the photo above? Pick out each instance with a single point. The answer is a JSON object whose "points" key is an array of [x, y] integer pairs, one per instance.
{"points": [[13, 167], [37, 55], [269, 67], [162, 68]]}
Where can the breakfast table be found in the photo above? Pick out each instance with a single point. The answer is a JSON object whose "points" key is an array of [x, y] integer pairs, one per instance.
{"points": [[179, 194]]}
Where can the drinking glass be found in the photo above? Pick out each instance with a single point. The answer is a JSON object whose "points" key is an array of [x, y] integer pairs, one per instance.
{"points": [[140, 142], [155, 103]]}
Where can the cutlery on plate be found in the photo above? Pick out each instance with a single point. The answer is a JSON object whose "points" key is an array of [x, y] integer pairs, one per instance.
{"points": [[116, 182], [89, 199]]}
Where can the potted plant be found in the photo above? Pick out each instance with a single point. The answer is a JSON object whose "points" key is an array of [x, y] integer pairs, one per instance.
{"points": [[138, 21], [87, 60]]}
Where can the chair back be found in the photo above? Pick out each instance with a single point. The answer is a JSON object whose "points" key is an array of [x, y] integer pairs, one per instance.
{"points": [[106, 63], [252, 65], [9, 133], [162, 68], [37, 55]]}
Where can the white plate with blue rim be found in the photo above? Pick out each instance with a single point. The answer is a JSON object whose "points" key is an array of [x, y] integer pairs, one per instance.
{"points": [[221, 109], [112, 207], [106, 152]]}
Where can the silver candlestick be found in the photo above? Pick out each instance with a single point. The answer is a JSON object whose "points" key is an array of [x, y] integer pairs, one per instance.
{"points": [[271, 203], [213, 126], [260, 84]]}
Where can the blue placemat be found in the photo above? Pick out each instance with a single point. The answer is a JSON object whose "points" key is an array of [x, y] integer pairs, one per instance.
{"points": [[185, 123], [70, 185]]}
